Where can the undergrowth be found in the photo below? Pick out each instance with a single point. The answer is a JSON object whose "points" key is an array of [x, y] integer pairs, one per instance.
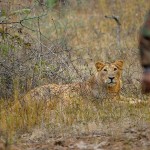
{"points": [[69, 41], [16, 118]]}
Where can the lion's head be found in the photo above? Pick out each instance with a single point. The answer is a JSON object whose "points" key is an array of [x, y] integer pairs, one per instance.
{"points": [[109, 73]]}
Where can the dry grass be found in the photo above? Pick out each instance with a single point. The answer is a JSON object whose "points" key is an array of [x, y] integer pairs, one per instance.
{"points": [[93, 37], [58, 119]]}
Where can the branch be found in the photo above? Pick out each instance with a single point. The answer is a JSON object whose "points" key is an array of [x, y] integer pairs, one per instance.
{"points": [[22, 20], [116, 18]]}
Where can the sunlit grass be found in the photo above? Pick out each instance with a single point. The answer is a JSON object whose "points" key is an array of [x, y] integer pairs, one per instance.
{"points": [[15, 118]]}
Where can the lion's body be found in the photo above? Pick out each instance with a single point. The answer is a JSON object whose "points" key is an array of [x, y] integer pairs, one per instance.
{"points": [[99, 86]]}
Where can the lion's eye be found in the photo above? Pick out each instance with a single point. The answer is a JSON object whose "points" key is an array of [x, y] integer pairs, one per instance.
{"points": [[115, 69], [105, 69]]}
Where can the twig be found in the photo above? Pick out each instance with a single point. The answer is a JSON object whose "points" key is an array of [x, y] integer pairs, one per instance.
{"points": [[22, 20], [118, 30], [116, 18]]}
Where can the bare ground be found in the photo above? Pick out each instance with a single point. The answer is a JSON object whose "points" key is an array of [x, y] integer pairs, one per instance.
{"points": [[113, 136]]}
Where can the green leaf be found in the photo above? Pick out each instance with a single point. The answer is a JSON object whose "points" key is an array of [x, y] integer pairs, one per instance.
{"points": [[51, 3], [4, 48]]}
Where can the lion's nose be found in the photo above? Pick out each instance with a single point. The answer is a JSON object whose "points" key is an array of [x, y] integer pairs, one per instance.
{"points": [[111, 78]]}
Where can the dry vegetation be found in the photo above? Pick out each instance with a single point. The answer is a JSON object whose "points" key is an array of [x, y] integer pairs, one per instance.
{"points": [[60, 45]]}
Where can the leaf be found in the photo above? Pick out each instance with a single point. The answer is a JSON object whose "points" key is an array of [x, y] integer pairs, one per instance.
{"points": [[5, 49], [51, 3]]}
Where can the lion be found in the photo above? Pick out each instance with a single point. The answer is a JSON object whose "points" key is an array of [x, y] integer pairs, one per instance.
{"points": [[106, 82]]}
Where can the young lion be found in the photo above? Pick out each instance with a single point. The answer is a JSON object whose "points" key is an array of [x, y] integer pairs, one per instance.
{"points": [[105, 83]]}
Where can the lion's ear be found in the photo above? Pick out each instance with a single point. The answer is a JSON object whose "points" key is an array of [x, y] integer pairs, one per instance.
{"points": [[119, 64], [99, 66]]}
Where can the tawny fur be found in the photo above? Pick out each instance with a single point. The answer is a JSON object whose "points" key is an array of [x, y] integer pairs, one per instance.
{"points": [[99, 86]]}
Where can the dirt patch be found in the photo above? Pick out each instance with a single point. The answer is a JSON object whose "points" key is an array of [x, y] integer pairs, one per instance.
{"points": [[135, 137]]}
